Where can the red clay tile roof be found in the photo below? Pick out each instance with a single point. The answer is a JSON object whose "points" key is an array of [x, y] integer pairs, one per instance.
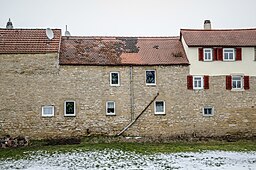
{"points": [[234, 37], [14, 41], [122, 51]]}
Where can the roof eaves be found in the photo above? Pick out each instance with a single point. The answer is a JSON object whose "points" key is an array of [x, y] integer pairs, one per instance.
{"points": [[124, 64]]}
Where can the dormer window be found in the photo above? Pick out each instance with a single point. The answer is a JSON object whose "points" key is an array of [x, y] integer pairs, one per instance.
{"points": [[228, 54], [207, 54]]}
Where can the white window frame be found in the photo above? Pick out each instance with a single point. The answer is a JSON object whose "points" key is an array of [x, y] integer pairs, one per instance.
{"points": [[150, 84], [202, 82], [110, 114], [207, 53], [241, 79], [65, 104], [110, 78], [48, 115], [159, 113], [208, 107], [234, 54]]}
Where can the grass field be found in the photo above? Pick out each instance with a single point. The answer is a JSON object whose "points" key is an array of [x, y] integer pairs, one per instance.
{"points": [[101, 143]]}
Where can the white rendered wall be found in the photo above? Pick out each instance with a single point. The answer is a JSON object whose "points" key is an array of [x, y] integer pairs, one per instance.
{"points": [[213, 68]]}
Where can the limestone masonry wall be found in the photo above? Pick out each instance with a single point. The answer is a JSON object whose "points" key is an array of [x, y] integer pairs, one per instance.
{"points": [[30, 81]]}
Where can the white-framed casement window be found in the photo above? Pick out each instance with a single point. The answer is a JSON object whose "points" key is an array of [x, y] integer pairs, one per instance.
{"points": [[69, 108], [150, 77], [114, 79], [207, 54], [198, 82], [208, 111], [110, 108], [228, 54], [48, 111], [237, 82], [159, 107]]}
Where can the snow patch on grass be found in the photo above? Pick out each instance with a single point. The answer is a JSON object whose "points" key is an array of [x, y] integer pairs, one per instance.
{"points": [[117, 159]]}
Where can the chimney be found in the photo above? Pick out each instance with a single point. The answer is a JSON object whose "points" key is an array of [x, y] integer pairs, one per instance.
{"points": [[67, 33], [207, 25], [9, 24]]}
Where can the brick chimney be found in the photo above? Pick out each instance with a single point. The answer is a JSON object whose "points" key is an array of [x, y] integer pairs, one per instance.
{"points": [[207, 25]]}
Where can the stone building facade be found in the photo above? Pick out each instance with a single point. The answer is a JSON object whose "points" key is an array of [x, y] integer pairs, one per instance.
{"points": [[109, 81]]}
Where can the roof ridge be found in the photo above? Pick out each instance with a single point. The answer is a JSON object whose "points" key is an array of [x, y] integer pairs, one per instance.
{"points": [[116, 37], [16, 29], [239, 29]]}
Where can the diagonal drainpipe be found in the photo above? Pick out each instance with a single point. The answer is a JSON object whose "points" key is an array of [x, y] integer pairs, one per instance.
{"points": [[132, 122]]}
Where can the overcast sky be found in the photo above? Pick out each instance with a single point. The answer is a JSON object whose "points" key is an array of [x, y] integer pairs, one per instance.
{"points": [[128, 17]]}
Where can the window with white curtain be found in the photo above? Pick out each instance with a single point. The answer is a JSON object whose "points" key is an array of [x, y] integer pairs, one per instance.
{"points": [[110, 108], [159, 107]]}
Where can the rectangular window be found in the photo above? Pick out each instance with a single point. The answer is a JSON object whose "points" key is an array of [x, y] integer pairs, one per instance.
{"points": [[208, 111], [150, 77], [48, 111], [159, 107], [110, 108], [114, 79], [228, 54], [69, 108], [237, 82], [198, 82], [207, 54]]}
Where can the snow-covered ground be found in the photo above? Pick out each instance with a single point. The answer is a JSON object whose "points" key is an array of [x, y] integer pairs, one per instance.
{"points": [[115, 159]]}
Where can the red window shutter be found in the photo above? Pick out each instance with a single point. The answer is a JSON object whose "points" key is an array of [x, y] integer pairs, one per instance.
{"points": [[228, 82], [220, 54], [238, 53], [246, 83], [190, 82], [214, 54], [206, 82], [201, 54]]}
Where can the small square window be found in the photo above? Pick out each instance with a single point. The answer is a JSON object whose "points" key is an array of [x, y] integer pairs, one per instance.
{"points": [[110, 108], [114, 79], [150, 77], [159, 107], [48, 111], [207, 54], [228, 54], [208, 111], [198, 82], [237, 82], [69, 108]]}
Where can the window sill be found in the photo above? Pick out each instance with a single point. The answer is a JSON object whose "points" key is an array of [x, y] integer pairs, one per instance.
{"points": [[150, 84], [113, 114], [198, 89], [229, 60], [208, 115], [160, 113], [237, 90], [47, 116], [69, 115], [114, 85]]}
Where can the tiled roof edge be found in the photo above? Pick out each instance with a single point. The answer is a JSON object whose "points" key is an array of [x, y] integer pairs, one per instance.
{"points": [[239, 29], [124, 64]]}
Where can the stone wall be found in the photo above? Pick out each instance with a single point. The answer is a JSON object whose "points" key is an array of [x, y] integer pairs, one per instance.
{"points": [[29, 82]]}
